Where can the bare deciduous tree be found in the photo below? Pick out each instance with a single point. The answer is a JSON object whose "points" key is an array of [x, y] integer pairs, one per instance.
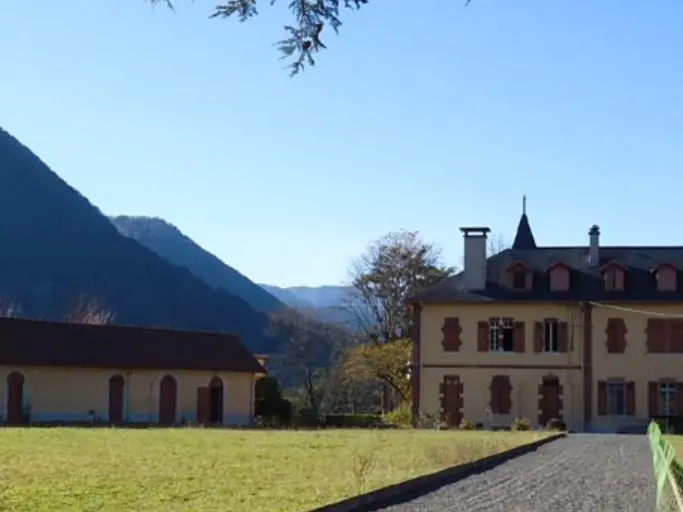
{"points": [[9, 309], [89, 311], [303, 37], [307, 352], [496, 243]]}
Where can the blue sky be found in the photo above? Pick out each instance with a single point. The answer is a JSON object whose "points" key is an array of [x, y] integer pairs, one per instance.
{"points": [[423, 118]]}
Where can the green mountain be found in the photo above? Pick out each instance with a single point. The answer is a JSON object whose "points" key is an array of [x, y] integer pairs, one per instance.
{"points": [[56, 247], [170, 243]]}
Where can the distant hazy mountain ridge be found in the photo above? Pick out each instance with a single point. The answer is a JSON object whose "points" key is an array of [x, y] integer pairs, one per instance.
{"points": [[57, 247], [171, 244], [329, 303]]}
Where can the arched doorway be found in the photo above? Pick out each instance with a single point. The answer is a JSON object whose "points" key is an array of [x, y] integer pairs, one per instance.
{"points": [[117, 386], [15, 399], [216, 386], [168, 396]]}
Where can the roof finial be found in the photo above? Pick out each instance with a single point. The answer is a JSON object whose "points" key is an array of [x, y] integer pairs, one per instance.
{"points": [[524, 204]]}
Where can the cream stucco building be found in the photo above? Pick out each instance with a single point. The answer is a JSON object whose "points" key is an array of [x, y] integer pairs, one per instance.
{"points": [[71, 373], [591, 334]]}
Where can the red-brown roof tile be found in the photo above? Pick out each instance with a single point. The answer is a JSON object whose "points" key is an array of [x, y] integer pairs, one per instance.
{"points": [[38, 343]]}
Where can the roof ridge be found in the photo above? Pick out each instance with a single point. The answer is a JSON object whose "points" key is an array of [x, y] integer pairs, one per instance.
{"points": [[585, 247]]}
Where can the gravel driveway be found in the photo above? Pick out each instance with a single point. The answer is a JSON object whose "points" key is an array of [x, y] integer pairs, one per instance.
{"points": [[583, 472]]}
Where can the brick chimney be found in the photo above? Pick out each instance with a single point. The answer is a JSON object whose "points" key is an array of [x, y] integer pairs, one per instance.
{"points": [[475, 257]]}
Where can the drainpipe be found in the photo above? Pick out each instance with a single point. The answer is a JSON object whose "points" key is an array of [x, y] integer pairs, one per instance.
{"points": [[587, 362]]}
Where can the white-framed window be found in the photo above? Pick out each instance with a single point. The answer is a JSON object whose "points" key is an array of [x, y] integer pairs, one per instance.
{"points": [[616, 398], [550, 335], [501, 335], [667, 399]]}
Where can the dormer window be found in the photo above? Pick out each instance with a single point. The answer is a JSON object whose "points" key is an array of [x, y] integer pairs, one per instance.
{"points": [[519, 277], [559, 275], [667, 277], [613, 275]]}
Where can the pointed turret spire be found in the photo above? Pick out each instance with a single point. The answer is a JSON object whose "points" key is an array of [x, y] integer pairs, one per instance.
{"points": [[524, 239]]}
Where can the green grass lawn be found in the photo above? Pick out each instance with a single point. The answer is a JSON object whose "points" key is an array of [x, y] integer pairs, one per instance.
{"points": [[203, 470], [677, 443]]}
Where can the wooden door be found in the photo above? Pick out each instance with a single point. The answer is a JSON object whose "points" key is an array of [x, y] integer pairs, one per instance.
{"points": [[216, 388], [15, 398], [452, 400], [167, 400], [204, 405], [116, 398], [551, 406]]}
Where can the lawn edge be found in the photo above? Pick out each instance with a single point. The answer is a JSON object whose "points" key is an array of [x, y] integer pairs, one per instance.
{"points": [[415, 487]]}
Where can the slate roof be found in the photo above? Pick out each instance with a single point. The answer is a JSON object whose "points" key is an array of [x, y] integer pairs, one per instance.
{"points": [[586, 283], [38, 343], [524, 239]]}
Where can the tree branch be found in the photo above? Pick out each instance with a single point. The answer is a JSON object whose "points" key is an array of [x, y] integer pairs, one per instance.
{"points": [[303, 38]]}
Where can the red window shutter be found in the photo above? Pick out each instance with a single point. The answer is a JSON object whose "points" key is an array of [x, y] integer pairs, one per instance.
{"points": [[652, 334], [611, 341], [538, 337], [495, 395], [483, 336], [602, 398], [630, 398], [609, 336], [519, 336], [616, 336], [562, 337], [451, 334], [653, 398], [676, 336]]}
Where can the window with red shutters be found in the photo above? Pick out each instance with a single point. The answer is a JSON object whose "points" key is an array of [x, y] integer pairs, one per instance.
{"points": [[667, 278], [559, 276], [615, 339], [614, 277], [654, 335], [675, 336], [451, 331], [551, 336], [664, 336], [519, 277]]}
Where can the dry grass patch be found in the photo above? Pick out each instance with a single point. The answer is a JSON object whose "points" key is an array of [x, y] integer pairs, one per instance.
{"points": [[203, 470]]}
